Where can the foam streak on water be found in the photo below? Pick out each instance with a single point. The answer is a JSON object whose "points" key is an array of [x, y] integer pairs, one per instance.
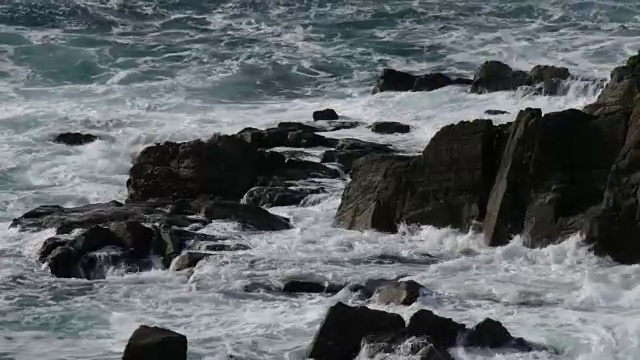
{"points": [[139, 72]]}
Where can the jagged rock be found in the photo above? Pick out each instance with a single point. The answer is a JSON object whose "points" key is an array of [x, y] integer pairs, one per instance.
{"points": [[63, 262], [553, 171], [448, 185], [349, 150], [284, 137], [95, 238], [155, 343], [245, 214], [326, 114], [135, 236], [304, 286], [441, 331], [495, 112], [394, 80], [224, 167], [398, 293], [497, 76], [390, 127], [344, 327], [50, 245], [188, 260], [74, 138], [278, 196]]}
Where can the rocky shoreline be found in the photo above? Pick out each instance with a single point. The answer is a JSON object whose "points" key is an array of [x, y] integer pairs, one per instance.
{"points": [[542, 176]]}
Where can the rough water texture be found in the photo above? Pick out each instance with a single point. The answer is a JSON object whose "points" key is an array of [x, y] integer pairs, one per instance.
{"points": [[134, 73]]}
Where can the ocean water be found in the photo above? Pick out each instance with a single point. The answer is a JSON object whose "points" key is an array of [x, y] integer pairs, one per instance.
{"points": [[136, 72]]}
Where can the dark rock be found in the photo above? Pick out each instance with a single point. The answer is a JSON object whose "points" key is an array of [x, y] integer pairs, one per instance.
{"points": [[621, 94], [447, 186], [398, 293], [394, 80], [96, 264], [155, 343], [488, 333], [74, 138], [335, 125], [390, 127], [50, 245], [66, 220], [185, 236], [63, 262], [341, 333], [224, 167], [431, 352], [326, 114], [302, 169], [553, 171], [284, 137], [296, 126], [441, 331], [495, 112], [278, 196], [304, 286], [96, 238], [349, 150], [245, 214], [188, 260], [214, 247], [170, 243], [497, 76], [137, 237], [549, 78]]}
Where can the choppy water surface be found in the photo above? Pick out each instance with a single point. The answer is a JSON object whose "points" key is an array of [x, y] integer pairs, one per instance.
{"points": [[138, 72]]}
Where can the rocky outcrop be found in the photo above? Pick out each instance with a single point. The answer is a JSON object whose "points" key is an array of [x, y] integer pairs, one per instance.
{"points": [[394, 80], [448, 185], [390, 127], [554, 169], [155, 343], [74, 138], [615, 229], [224, 167], [326, 114], [344, 327]]}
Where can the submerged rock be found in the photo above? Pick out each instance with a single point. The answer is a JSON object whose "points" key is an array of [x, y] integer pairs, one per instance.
{"points": [[155, 343], [390, 127], [305, 286], [74, 138], [278, 196], [398, 293], [496, 112], [344, 327], [326, 114]]}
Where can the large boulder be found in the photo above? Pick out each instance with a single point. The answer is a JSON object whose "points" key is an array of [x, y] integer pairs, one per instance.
{"points": [[50, 245], [548, 78], [135, 236], [96, 238], [74, 138], [63, 262], [155, 343], [224, 167], [497, 76], [490, 333], [441, 331], [553, 171], [448, 185], [394, 80], [344, 327], [326, 114]]}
